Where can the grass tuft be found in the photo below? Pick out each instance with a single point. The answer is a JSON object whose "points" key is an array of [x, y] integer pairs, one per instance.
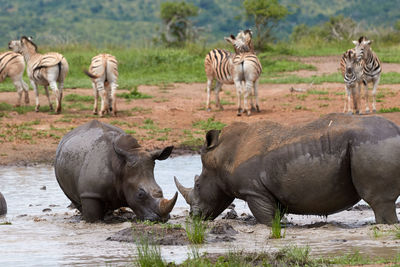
{"points": [[148, 254], [76, 98], [134, 94], [389, 110], [276, 227], [209, 124], [196, 229]]}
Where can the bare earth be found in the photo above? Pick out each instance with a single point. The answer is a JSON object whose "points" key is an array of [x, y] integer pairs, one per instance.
{"points": [[173, 110]]}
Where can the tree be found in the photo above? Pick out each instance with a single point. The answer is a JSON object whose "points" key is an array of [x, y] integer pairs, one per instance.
{"points": [[265, 14], [178, 29]]}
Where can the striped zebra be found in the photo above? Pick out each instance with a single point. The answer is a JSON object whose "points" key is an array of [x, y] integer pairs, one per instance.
{"points": [[241, 68], [13, 65], [372, 68], [352, 71], [46, 70], [103, 71]]}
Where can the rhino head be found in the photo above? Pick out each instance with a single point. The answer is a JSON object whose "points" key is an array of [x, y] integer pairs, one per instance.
{"points": [[143, 195], [207, 199]]}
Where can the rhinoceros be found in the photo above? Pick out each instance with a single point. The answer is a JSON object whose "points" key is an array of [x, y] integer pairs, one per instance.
{"points": [[319, 168], [3, 205], [101, 168]]}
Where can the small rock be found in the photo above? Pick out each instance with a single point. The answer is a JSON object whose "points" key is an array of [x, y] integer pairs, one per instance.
{"points": [[43, 188], [230, 215], [223, 229], [46, 210]]}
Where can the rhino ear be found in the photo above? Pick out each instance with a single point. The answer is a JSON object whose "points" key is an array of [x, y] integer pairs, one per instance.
{"points": [[212, 137], [123, 145], [162, 154]]}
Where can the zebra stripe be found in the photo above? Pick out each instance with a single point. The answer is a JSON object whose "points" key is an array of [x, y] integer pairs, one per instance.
{"points": [[372, 68], [103, 71], [6, 59], [217, 61]]}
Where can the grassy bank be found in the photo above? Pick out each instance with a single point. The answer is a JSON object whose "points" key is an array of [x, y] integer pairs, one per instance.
{"points": [[139, 66]]}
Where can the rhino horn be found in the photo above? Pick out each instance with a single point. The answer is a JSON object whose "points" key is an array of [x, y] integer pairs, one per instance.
{"points": [[183, 190], [167, 205]]}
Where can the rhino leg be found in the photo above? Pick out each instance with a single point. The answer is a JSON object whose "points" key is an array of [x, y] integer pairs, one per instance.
{"points": [[385, 212], [263, 208], [92, 209]]}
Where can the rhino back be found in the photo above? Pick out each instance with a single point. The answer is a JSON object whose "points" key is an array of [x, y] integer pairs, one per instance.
{"points": [[83, 159], [306, 168]]}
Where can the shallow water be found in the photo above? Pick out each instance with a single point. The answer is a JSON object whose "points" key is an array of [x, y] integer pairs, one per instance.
{"points": [[38, 236]]}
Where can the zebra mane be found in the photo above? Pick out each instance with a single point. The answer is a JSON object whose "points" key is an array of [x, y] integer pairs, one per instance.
{"points": [[29, 39]]}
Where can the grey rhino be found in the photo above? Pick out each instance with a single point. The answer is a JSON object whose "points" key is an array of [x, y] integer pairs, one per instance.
{"points": [[100, 168], [317, 169], [3, 205]]}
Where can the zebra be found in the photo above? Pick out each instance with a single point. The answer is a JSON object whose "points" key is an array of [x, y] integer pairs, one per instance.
{"points": [[103, 71], [372, 68], [352, 71], [241, 68], [46, 70], [13, 65]]}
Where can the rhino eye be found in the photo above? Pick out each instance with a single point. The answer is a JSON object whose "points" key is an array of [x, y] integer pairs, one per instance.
{"points": [[141, 194]]}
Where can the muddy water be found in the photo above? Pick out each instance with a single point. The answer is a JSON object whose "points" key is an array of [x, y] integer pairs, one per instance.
{"points": [[44, 232]]}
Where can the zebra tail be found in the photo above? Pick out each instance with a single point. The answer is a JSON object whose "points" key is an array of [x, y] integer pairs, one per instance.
{"points": [[91, 75]]}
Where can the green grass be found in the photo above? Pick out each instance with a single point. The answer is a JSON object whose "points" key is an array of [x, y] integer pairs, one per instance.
{"points": [[276, 227], [209, 124], [389, 110], [76, 98], [5, 223], [134, 94], [148, 254], [195, 230]]}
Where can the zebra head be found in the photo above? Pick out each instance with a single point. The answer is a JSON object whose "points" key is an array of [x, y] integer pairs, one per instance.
{"points": [[242, 42], [363, 45], [350, 60], [15, 46]]}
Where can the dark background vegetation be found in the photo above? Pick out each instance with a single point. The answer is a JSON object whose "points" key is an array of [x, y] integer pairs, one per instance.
{"points": [[137, 23]]}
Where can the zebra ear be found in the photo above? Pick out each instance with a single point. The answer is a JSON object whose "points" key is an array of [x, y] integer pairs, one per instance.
{"points": [[368, 42], [355, 42], [229, 40]]}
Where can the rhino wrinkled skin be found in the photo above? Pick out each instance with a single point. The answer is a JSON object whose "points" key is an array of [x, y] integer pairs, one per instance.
{"points": [[3, 205], [316, 169], [100, 168]]}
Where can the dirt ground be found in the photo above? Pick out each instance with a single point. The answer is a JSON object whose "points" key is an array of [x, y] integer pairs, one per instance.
{"points": [[173, 110]]}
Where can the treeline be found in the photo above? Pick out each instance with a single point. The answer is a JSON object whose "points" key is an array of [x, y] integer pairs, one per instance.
{"points": [[138, 23]]}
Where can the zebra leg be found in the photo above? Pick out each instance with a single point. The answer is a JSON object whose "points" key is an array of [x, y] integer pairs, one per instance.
{"points": [[58, 94], [35, 89], [355, 91], [238, 86], [209, 84], [218, 86], [113, 98], [256, 95], [60, 88], [19, 88], [347, 101], [26, 91], [247, 92], [96, 96], [46, 90], [374, 89], [103, 95], [366, 98]]}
